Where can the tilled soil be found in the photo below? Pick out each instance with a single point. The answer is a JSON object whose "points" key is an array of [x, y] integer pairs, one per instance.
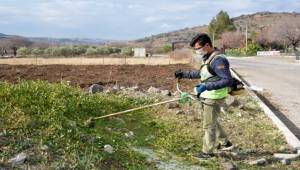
{"points": [[143, 76]]}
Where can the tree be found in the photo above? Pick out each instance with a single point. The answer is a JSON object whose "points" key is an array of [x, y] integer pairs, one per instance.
{"points": [[286, 32], [127, 51], [23, 51], [14, 43], [220, 24], [232, 39], [37, 51], [167, 48], [91, 51]]}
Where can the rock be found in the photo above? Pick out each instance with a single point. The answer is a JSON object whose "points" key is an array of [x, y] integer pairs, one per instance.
{"points": [[248, 151], [224, 109], [18, 159], [115, 89], [129, 134], [108, 149], [173, 105], [166, 93], [153, 90], [261, 161], [44, 148], [241, 106], [285, 162], [229, 166], [281, 156], [231, 101], [134, 88], [95, 88], [180, 112], [284, 148]]}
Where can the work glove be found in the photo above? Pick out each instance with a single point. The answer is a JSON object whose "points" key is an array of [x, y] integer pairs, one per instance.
{"points": [[179, 74], [200, 88]]}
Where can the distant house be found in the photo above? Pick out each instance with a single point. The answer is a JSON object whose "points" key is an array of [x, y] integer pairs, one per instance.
{"points": [[139, 52]]}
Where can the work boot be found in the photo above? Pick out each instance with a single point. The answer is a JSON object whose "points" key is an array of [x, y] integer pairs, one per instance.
{"points": [[203, 155], [226, 147]]}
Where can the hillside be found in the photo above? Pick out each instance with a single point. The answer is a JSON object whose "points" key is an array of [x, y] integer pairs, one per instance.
{"points": [[2, 35], [256, 22], [68, 41]]}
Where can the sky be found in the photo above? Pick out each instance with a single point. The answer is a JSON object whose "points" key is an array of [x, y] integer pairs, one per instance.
{"points": [[121, 19]]}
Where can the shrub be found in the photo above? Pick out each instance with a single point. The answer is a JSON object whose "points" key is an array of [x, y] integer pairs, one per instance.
{"points": [[37, 51], [23, 51], [127, 51], [167, 48], [91, 51], [250, 51]]}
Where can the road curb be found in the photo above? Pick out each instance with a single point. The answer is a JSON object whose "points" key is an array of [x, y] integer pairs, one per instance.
{"points": [[291, 139]]}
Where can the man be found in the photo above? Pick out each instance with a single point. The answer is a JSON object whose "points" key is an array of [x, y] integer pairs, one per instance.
{"points": [[215, 79]]}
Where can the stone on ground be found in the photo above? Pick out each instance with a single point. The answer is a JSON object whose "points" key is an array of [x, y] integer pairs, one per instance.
{"points": [[152, 90], [229, 166], [285, 162], [173, 105], [180, 112], [231, 101], [18, 159], [44, 147], [261, 161], [129, 134], [95, 88], [282, 156], [166, 93], [108, 149], [133, 88]]}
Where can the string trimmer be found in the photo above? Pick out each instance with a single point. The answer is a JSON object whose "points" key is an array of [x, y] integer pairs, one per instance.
{"points": [[184, 98]]}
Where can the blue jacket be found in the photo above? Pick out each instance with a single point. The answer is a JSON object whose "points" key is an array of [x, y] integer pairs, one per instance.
{"points": [[221, 67]]}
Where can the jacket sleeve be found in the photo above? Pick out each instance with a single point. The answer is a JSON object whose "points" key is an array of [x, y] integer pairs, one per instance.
{"points": [[194, 74], [222, 69]]}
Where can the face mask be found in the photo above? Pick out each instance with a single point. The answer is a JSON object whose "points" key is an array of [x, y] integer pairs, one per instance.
{"points": [[201, 52]]}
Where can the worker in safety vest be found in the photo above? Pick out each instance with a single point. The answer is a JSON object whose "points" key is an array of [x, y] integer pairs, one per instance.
{"points": [[213, 88]]}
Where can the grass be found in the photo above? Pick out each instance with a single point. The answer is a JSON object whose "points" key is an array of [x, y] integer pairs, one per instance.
{"points": [[37, 113]]}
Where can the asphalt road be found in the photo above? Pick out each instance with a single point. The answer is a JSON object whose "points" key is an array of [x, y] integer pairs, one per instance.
{"points": [[280, 79]]}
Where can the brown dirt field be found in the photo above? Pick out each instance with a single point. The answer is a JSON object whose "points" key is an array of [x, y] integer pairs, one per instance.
{"points": [[143, 76]]}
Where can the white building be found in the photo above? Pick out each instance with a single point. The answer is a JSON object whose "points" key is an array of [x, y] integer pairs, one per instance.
{"points": [[139, 52]]}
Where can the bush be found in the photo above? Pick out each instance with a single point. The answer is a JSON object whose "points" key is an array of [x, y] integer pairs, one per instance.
{"points": [[78, 50], [48, 51], [23, 51], [167, 48], [127, 51], [37, 51], [91, 51], [250, 51]]}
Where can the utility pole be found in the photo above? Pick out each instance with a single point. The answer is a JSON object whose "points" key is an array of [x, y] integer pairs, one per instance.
{"points": [[246, 36]]}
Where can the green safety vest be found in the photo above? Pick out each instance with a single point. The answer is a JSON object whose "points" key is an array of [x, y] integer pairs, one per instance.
{"points": [[206, 76]]}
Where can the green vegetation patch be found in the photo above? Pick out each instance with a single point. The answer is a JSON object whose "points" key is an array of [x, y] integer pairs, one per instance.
{"points": [[46, 121]]}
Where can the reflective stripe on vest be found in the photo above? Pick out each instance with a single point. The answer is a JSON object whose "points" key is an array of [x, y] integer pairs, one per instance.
{"points": [[206, 76]]}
